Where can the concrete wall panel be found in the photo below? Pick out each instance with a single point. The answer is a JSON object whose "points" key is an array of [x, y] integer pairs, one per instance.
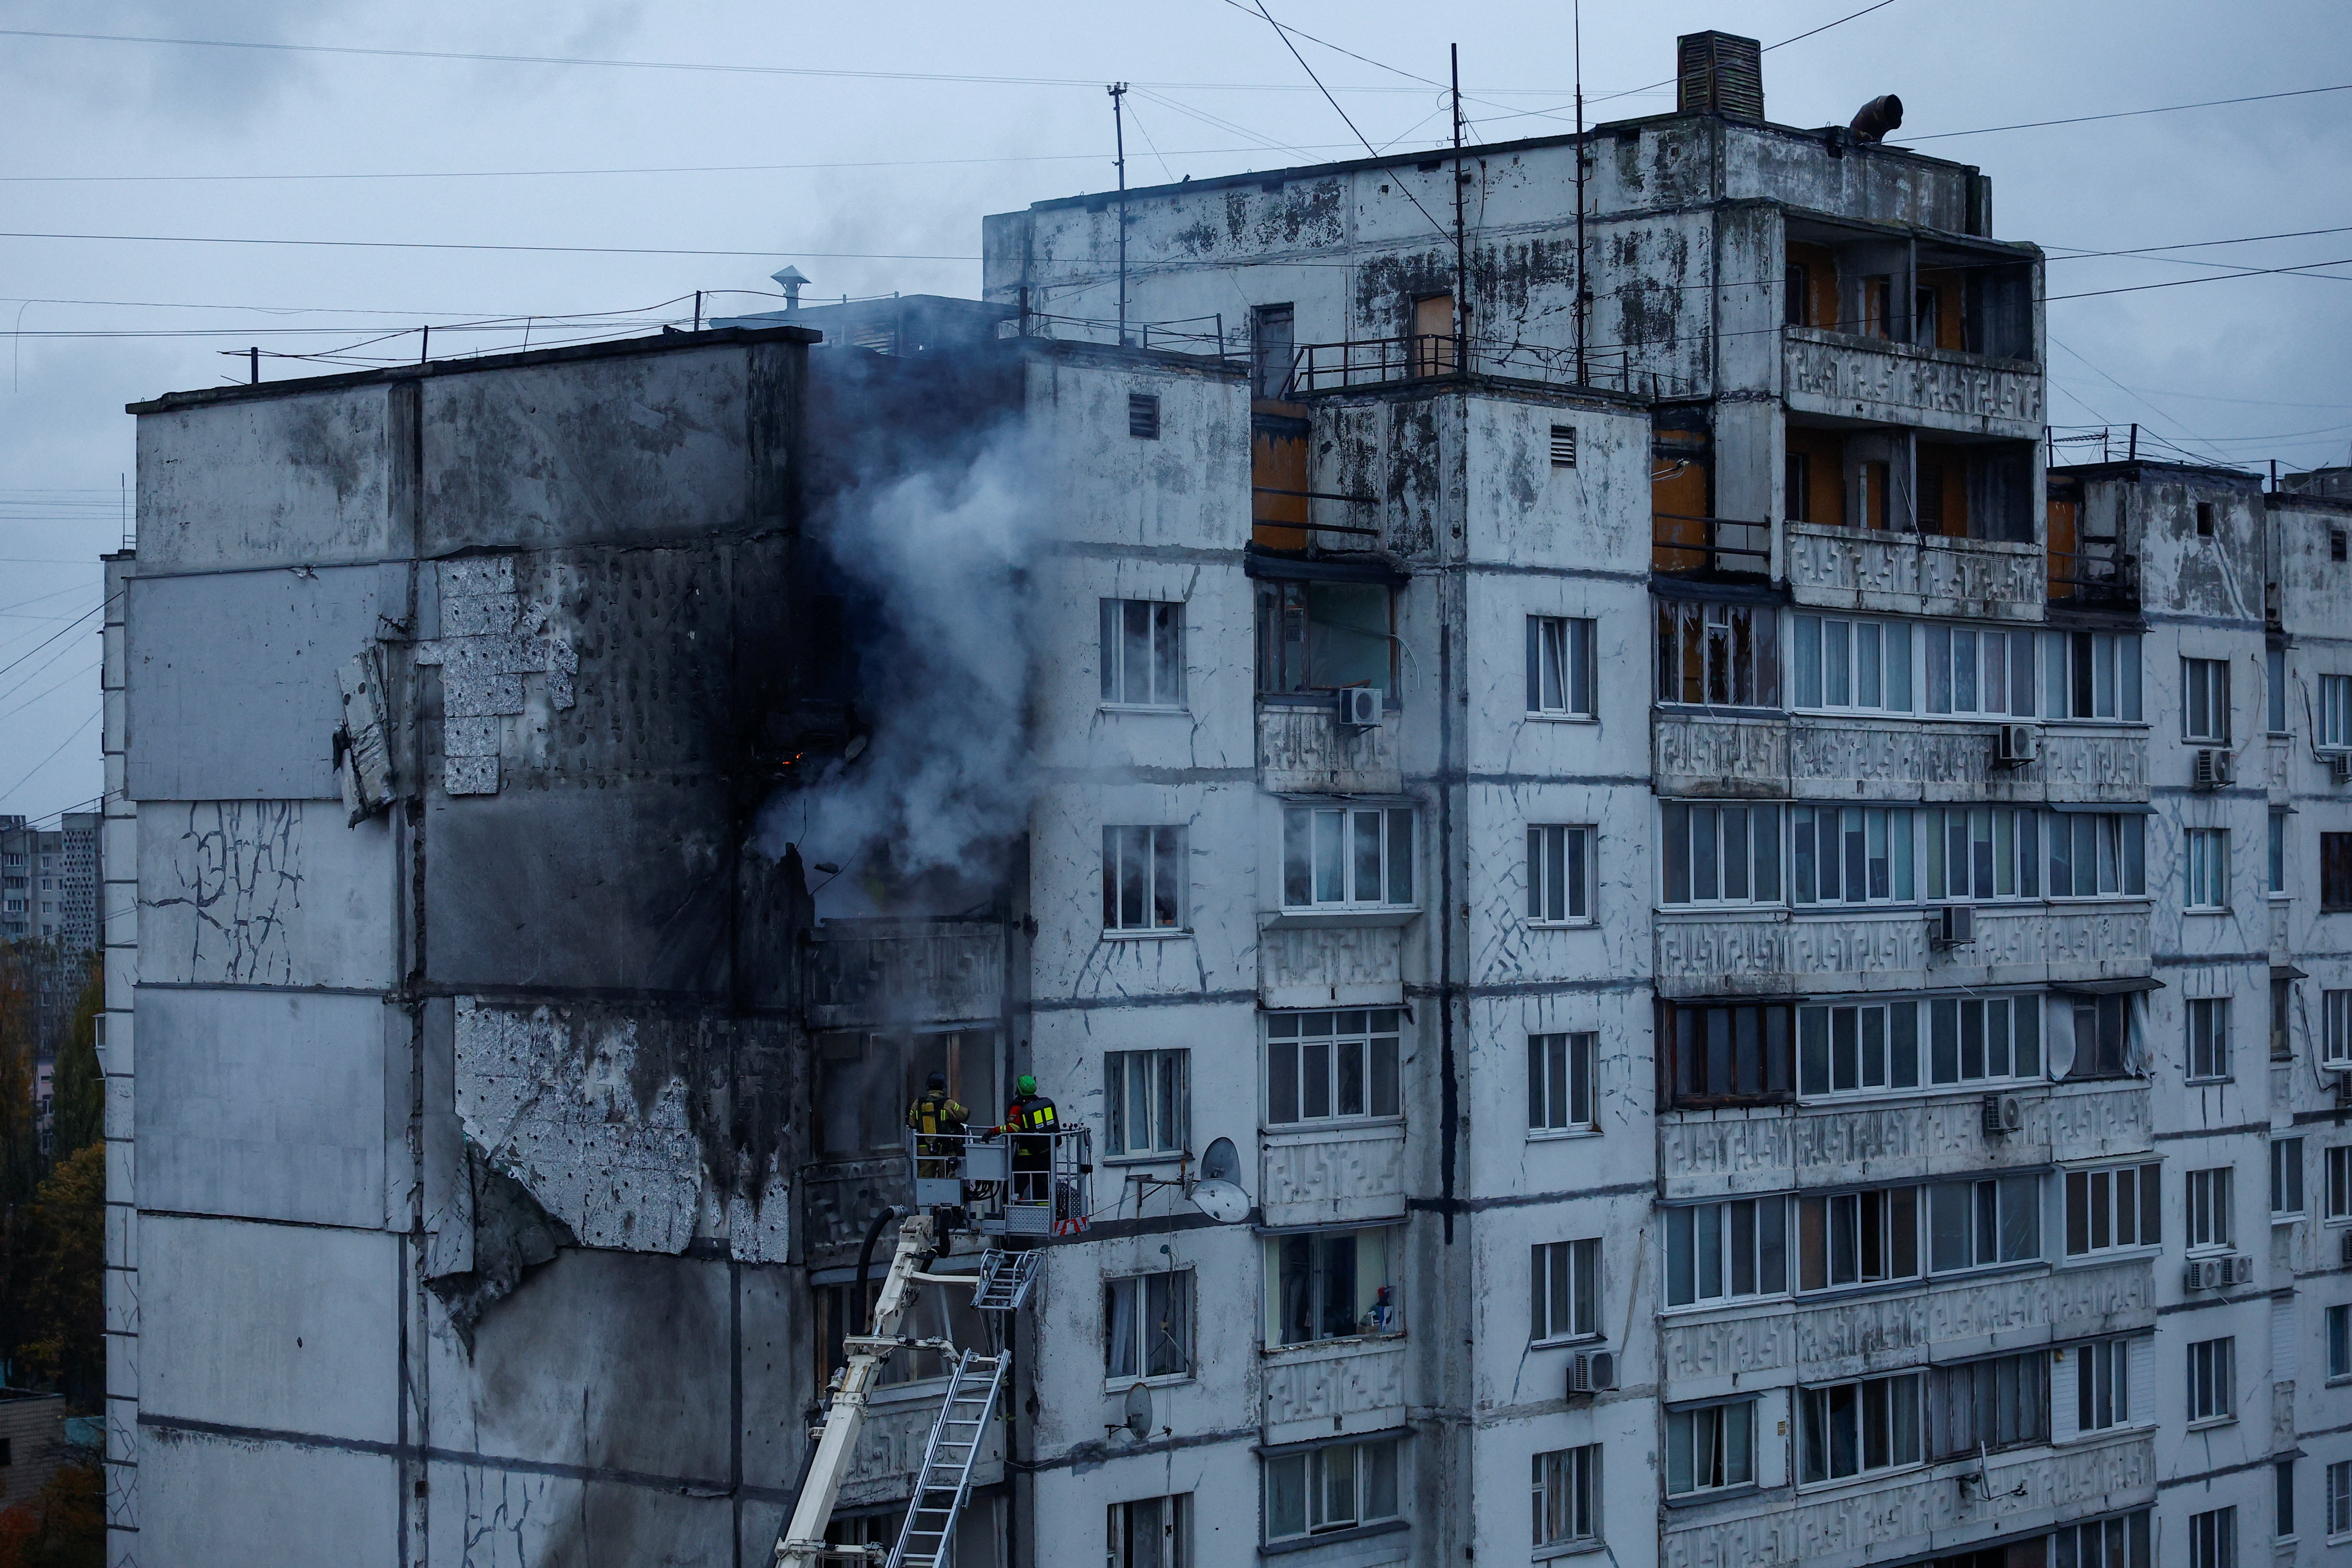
{"points": [[306, 478], [263, 892], [483, 1517], [283, 1328], [225, 718], [209, 1500], [263, 1104]]}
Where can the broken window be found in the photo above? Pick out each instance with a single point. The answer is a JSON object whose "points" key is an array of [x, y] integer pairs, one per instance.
{"points": [[865, 1081], [1151, 1533], [1878, 307], [1321, 637], [1142, 653], [1560, 667], [1727, 1053], [1148, 1325], [1330, 1285], [1346, 857], [1149, 1094], [1434, 350], [1719, 654], [1144, 877], [1272, 350], [1332, 1067], [939, 1312]]}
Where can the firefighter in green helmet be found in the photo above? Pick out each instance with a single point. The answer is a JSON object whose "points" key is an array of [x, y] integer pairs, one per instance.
{"points": [[1033, 1157]]}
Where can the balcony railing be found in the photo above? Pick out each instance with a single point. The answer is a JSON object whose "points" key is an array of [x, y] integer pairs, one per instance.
{"points": [[2101, 572], [1709, 547], [1424, 356]]}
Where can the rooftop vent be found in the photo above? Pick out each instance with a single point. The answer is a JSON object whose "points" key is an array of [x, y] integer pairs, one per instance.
{"points": [[1873, 120], [1719, 74]]}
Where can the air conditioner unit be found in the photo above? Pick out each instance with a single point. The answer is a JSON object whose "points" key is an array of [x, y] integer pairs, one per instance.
{"points": [[1359, 706], [2017, 744], [2242, 1270], [2206, 1274], [1956, 926], [1592, 1372], [2339, 767], [2002, 1114], [2216, 769]]}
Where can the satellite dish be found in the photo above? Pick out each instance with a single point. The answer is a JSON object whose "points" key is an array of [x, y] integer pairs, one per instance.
{"points": [[1221, 1162], [1221, 1200], [1139, 1412]]}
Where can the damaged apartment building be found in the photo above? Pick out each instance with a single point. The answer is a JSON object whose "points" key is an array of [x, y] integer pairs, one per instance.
{"points": [[1767, 961]]}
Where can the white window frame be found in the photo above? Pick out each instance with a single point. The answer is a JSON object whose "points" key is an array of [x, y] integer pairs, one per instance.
{"points": [[1887, 1222], [2118, 842], [2089, 1542], [2206, 859], [1846, 664], [2000, 1035], [2214, 1537], [1154, 862], [2013, 839], [1561, 680], [1307, 844], [2339, 1168], [2100, 670], [2208, 1019], [1170, 1519], [2288, 1199], [2205, 683], [1160, 686], [2211, 1199], [1561, 877], [2114, 1201], [1376, 1037], [1881, 840], [1566, 1484], [1180, 1290], [2335, 1015], [1710, 821], [2337, 1323], [2335, 712], [1978, 665], [1159, 1084], [1855, 1049], [1991, 1201], [2339, 1499], [1713, 1445], [2102, 1384], [1318, 1489], [1563, 1083], [2212, 1392], [1563, 1291], [1711, 1234]]}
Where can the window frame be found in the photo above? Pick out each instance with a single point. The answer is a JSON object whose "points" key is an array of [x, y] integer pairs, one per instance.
{"points": [[2083, 671], [1302, 836], [2334, 872], [1720, 1445], [1574, 1267], [1549, 1080], [2106, 1361], [1167, 1104], [2207, 1020], [1315, 1486], [1958, 662], [2334, 716], [2211, 1388], [1689, 1032], [2205, 683], [1989, 1203], [2117, 841], [2214, 1537], [1560, 651], [1565, 1484], [2336, 1323], [2335, 1031], [1285, 1030], [1692, 627], [2274, 873], [1694, 823], [1838, 1234], [1567, 880], [2336, 1176], [1287, 661], [2096, 1194], [1160, 862], [2087, 1549], [1815, 1408], [1989, 1404], [1824, 664], [2205, 862], [1181, 1290], [2289, 1198], [1175, 1511], [2339, 1499], [2209, 1206], [1163, 666], [1712, 1230], [1274, 1309], [1848, 866]]}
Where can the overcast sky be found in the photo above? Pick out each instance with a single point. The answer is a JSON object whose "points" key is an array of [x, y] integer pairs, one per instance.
{"points": [[872, 174]]}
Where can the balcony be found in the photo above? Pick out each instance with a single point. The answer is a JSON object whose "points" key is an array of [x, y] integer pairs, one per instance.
{"points": [[874, 972], [1897, 760], [1775, 952], [1365, 362], [1898, 572], [1352, 1176], [1846, 376], [1713, 549], [1302, 748], [1341, 1385], [890, 1446]]}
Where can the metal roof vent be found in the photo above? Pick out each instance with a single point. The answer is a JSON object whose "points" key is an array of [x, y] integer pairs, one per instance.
{"points": [[1719, 73]]}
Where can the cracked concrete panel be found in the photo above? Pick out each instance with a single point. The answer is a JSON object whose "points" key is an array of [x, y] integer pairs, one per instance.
{"points": [[306, 477], [222, 718], [263, 893], [490, 640], [559, 1101], [483, 1517], [291, 1503], [283, 1328], [266, 1104]]}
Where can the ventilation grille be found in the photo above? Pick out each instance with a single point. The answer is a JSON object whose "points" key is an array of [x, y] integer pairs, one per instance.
{"points": [[1143, 416], [1563, 446], [1720, 73]]}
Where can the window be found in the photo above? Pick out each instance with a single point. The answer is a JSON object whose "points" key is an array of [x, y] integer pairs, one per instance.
{"points": [[2286, 1175], [2335, 710], [1325, 1067], [1346, 857], [2208, 1037], [1559, 1082], [2000, 1401], [1848, 854], [1726, 1251], [1983, 853], [1567, 1496], [865, 1082], [1975, 1224], [2204, 519], [1724, 1053], [2112, 1209], [1560, 875], [2090, 675], [1720, 854], [2205, 699], [1148, 1325], [1563, 446], [2209, 868], [1796, 290], [1852, 1428], [2097, 854], [942, 1314], [2281, 1000], [2102, 1037], [1329, 1285], [1717, 654], [1858, 1048], [1564, 1287], [1142, 653], [2340, 1182], [2103, 1385], [2211, 1396], [1143, 416], [2209, 1195], [1981, 1039], [2339, 1341], [1710, 1448], [1274, 331], [2335, 1015], [2118, 1542], [1149, 1095], [2339, 1483], [1338, 1486], [2275, 882], [1143, 879], [1857, 1238], [2335, 544], [1797, 486], [2274, 688], [1151, 1533], [1849, 664], [1560, 667], [2214, 1539], [1321, 637], [2283, 1498], [1972, 669], [2336, 871]]}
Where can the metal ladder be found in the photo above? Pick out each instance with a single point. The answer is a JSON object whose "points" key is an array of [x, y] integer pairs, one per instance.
{"points": [[1004, 1278], [945, 1480]]}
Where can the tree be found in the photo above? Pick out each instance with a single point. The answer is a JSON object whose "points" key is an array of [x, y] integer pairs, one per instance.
{"points": [[77, 1092], [61, 1273]]}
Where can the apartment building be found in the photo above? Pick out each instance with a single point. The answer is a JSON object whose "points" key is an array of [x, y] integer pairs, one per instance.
{"points": [[49, 881]]}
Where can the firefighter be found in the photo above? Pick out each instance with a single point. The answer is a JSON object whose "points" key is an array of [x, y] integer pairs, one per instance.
{"points": [[1033, 1157], [937, 1122]]}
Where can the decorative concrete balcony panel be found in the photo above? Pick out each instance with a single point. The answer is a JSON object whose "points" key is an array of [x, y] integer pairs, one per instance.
{"points": [[1333, 1177], [1776, 953], [1899, 761], [1350, 1385], [1899, 573], [1308, 751], [2030, 1489], [885, 971], [1332, 966], [890, 1446], [1851, 377], [1889, 1332]]}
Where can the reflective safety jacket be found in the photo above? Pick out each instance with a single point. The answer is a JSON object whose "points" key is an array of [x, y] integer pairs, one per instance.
{"points": [[935, 1112], [1029, 1113]]}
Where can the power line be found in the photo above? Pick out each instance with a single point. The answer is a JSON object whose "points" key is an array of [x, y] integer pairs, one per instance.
{"points": [[2197, 244], [2131, 113], [52, 757], [768, 254], [2220, 278]]}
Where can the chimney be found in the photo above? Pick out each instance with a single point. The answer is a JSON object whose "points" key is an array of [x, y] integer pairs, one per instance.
{"points": [[793, 281], [1719, 74]]}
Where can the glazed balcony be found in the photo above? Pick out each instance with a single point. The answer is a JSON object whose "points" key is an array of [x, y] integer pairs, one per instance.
{"points": [[1898, 760], [1771, 952]]}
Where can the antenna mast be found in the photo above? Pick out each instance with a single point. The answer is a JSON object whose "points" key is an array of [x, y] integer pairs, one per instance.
{"points": [[1461, 239], [1118, 92], [1583, 294]]}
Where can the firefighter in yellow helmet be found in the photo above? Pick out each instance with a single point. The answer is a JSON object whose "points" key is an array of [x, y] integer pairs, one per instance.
{"points": [[937, 1122]]}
